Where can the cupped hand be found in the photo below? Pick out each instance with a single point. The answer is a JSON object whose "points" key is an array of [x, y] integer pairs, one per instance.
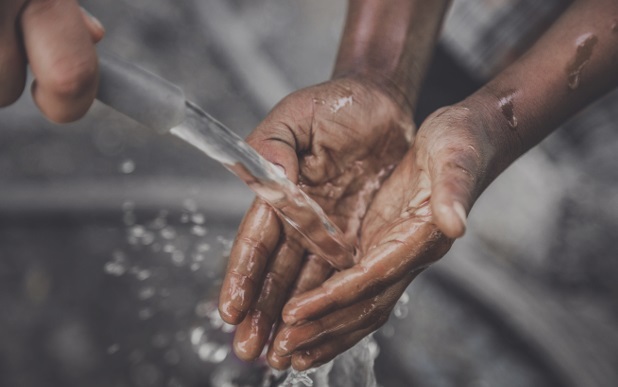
{"points": [[57, 39], [410, 224], [339, 141]]}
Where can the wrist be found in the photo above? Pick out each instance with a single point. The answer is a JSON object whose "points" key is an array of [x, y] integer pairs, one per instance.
{"points": [[385, 84], [494, 122]]}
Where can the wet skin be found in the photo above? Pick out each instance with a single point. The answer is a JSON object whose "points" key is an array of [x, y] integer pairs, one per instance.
{"points": [[340, 141], [457, 152], [56, 38], [339, 163]]}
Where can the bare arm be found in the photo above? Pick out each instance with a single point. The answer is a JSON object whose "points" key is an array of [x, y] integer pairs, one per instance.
{"points": [[322, 136]]}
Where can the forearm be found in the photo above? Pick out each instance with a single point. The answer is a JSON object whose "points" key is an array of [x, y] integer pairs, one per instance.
{"points": [[391, 41], [573, 64]]}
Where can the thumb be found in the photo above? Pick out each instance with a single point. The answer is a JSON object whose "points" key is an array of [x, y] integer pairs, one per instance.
{"points": [[278, 144], [454, 178]]}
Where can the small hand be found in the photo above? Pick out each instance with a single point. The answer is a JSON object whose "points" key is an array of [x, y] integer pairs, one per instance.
{"points": [[338, 141], [409, 225], [56, 38]]}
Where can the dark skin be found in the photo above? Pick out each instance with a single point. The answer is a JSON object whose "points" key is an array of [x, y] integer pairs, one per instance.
{"points": [[458, 151], [339, 141]]}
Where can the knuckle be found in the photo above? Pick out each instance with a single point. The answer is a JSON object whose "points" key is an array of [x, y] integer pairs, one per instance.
{"points": [[253, 244], [70, 78]]}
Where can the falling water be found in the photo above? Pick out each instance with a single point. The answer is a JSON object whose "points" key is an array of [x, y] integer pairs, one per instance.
{"points": [[268, 182]]}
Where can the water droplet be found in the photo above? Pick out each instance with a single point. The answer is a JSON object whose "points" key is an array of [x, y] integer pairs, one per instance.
{"points": [[168, 233], [198, 218], [169, 248], [197, 257], [127, 166], [146, 293], [228, 328], [341, 103], [203, 247], [137, 231], [507, 108], [184, 218], [128, 205], [615, 26], [194, 266], [198, 230], [115, 268], [387, 331], [113, 349], [585, 45]]}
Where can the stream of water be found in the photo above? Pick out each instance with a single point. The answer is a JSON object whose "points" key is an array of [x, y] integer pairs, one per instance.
{"points": [[268, 182]]}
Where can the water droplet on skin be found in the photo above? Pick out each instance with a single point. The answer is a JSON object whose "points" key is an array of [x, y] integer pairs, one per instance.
{"points": [[507, 108], [341, 103], [583, 53], [127, 166], [615, 26], [178, 257], [143, 275], [172, 357]]}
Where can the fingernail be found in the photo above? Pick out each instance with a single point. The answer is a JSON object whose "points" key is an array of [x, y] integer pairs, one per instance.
{"points": [[96, 21], [461, 213]]}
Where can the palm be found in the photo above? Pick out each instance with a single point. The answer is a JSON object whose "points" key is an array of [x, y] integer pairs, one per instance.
{"points": [[339, 141]]}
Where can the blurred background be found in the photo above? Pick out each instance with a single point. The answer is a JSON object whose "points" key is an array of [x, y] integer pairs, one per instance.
{"points": [[113, 238]]}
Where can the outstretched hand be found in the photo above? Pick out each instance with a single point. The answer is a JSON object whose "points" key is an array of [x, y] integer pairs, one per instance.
{"points": [[338, 141], [410, 224]]}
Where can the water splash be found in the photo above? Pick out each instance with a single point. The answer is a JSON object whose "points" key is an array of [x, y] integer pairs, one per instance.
{"points": [[268, 182], [585, 46]]}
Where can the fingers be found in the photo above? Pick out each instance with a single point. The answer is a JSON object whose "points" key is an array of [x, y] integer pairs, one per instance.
{"points": [[410, 247], [60, 49], [311, 347], [253, 333], [326, 352], [313, 273], [12, 56], [257, 238]]}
